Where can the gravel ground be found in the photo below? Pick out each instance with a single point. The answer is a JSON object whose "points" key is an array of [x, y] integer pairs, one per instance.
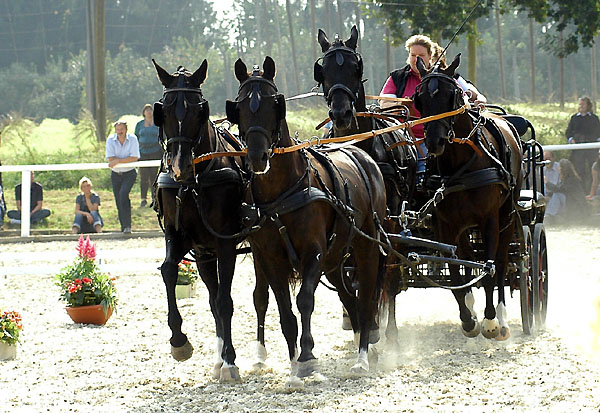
{"points": [[126, 364]]}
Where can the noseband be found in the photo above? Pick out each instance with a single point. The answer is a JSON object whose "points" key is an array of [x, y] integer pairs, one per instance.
{"points": [[339, 52]]}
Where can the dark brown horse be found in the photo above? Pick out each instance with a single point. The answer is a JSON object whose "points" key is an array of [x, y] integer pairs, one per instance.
{"points": [[200, 206], [488, 186], [340, 73], [315, 204]]}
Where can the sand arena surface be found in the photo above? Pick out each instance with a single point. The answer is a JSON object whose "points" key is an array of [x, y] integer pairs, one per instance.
{"points": [[126, 365]]}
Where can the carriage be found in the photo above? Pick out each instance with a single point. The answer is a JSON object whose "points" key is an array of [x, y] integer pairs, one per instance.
{"points": [[528, 260], [355, 203]]}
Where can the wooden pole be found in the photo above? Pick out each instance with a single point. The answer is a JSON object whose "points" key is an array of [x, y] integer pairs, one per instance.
{"points": [[532, 59], [499, 48], [90, 11], [100, 72]]}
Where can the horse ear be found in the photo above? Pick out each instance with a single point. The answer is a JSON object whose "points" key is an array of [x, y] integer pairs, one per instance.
{"points": [[421, 66], [165, 78], [199, 75], [353, 40], [323, 41], [451, 70], [318, 73], [241, 71], [269, 68], [231, 110], [280, 100]]}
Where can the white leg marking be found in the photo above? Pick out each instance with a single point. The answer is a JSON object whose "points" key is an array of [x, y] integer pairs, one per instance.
{"points": [[470, 303], [362, 364], [501, 314], [218, 359]]}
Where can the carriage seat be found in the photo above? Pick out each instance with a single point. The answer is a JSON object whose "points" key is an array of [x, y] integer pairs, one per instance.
{"points": [[526, 200], [519, 122]]}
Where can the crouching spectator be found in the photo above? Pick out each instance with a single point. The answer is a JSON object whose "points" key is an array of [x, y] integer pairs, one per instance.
{"points": [[37, 212], [87, 216]]}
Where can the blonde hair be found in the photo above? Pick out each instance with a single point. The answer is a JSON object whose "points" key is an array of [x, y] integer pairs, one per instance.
{"points": [[437, 56], [419, 40], [83, 181]]}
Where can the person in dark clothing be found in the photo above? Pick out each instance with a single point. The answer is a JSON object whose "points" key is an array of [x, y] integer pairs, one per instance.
{"points": [[37, 212], [584, 126], [2, 201], [575, 207], [147, 134]]}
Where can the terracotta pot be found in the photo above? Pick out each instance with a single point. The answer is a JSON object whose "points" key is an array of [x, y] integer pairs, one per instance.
{"points": [[185, 291], [8, 351], [89, 314]]}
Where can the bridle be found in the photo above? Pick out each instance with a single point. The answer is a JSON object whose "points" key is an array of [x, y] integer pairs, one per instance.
{"points": [[340, 50], [431, 82], [255, 96]]}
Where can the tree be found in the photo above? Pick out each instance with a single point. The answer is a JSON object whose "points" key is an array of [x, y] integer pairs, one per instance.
{"points": [[437, 18]]}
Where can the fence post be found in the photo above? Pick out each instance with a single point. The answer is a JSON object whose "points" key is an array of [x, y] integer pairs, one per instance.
{"points": [[25, 202]]}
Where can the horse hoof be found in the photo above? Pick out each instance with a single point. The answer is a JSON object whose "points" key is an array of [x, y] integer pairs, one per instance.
{"points": [[229, 374], [182, 353], [504, 334], [490, 328], [217, 370], [259, 366], [374, 336], [361, 367], [471, 333], [346, 323], [294, 382], [306, 368]]}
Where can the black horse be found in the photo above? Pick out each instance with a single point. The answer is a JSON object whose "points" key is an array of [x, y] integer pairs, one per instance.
{"points": [[341, 76], [198, 206], [482, 184], [315, 204]]}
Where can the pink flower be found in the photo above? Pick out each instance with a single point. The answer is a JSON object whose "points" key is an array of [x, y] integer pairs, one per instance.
{"points": [[86, 249]]}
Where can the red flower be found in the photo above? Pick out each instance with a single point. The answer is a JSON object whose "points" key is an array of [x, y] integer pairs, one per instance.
{"points": [[77, 281], [87, 280]]}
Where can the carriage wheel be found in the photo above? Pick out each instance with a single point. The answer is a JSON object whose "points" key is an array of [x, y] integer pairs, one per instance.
{"points": [[540, 275], [525, 282]]}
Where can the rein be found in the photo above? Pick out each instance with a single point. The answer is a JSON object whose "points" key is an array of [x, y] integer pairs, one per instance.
{"points": [[356, 137]]}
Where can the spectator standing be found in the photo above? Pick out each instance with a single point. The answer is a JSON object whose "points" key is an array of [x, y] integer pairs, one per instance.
{"points": [[147, 133], [122, 147], [583, 127], [2, 201], [87, 215], [37, 212]]}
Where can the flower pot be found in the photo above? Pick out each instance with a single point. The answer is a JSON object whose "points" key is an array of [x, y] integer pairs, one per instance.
{"points": [[185, 291], [89, 314], [8, 351]]}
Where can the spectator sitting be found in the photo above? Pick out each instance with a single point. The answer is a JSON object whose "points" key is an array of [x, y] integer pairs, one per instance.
{"points": [[569, 193], [87, 216], [37, 213]]}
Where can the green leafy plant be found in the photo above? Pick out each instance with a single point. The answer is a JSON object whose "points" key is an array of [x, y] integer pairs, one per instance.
{"points": [[10, 327], [186, 273], [82, 283]]}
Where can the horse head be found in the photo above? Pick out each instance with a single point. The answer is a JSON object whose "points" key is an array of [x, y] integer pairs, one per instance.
{"points": [[438, 93], [341, 76], [182, 114], [258, 111]]}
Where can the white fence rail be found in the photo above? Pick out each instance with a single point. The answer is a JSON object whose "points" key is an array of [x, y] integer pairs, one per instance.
{"points": [[26, 171], [26, 180]]}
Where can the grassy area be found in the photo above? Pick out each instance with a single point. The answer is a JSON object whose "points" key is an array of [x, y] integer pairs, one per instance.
{"points": [[59, 141]]}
